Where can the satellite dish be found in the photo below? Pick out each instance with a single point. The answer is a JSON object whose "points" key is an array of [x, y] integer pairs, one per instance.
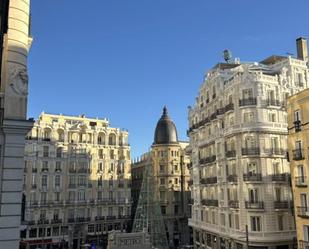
{"points": [[227, 55]]}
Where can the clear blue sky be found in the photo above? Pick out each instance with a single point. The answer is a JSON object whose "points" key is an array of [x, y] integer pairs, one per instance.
{"points": [[125, 59]]}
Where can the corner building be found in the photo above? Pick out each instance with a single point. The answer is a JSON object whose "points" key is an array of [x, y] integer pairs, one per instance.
{"points": [[170, 164], [76, 182], [238, 138], [298, 143]]}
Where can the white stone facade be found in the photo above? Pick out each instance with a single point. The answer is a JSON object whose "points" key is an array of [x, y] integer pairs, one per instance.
{"points": [[14, 126], [77, 181], [238, 137]]}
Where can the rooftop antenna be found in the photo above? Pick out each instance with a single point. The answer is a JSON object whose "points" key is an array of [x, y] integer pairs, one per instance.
{"points": [[227, 55]]}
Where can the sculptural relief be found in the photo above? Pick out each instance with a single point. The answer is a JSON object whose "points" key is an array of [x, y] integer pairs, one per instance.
{"points": [[18, 80]]}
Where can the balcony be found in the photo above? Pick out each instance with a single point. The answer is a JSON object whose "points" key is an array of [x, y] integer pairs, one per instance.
{"points": [[83, 170], [34, 170], [99, 218], [273, 102], [56, 221], [232, 178], [279, 177], [230, 153], [298, 154], [46, 139], [297, 125], [220, 111], [301, 181], [211, 180], [275, 152], [233, 204], [246, 102], [71, 170], [229, 107], [213, 116], [250, 151], [254, 205], [303, 244], [208, 202], [281, 204], [252, 177], [303, 211], [72, 185], [111, 217], [209, 159], [43, 222], [124, 217]]}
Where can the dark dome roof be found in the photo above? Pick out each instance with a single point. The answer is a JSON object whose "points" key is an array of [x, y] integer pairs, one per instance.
{"points": [[166, 132]]}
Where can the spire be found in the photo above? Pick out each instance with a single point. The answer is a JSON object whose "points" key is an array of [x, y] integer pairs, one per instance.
{"points": [[165, 114]]}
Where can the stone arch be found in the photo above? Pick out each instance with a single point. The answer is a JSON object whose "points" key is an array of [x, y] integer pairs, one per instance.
{"points": [[101, 138], [112, 139]]}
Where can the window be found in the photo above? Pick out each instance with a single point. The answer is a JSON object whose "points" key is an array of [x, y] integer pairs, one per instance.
{"points": [[255, 223], [57, 180], [162, 195], [43, 214], [44, 166], [81, 181], [300, 172], [58, 166], [253, 195], [100, 166], [248, 117], [59, 152], [252, 168], [57, 196], [81, 195], [162, 181], [43, 198], [71, 196], [236, 221], [44, 181], [176, 167], [161, 168], [303, 200], [163, 210], [176, 181], [278, 194], [56, 214], [230, 221], [247, 93], [297, 116], [45, 151], [272, 117]]}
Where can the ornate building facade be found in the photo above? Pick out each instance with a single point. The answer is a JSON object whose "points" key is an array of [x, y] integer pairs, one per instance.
{"points": [[170, 164], [298, 139], [76, 181], [238, 137], [15, 44]]}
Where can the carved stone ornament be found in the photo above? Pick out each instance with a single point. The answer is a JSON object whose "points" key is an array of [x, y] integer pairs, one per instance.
{"points": [[18, 79]]}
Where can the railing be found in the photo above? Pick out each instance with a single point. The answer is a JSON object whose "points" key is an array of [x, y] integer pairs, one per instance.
{"points": [[44, 170], [72, 170], [281, 204], [249, 101], [303, 211], [220, 111], [297, 125], [209, 202], [43, 222], [273, 102], [211, 180], [99, 218], [279, 177], [303, 244], [56, 221], [250, 151], [298, 154], [122, 217], [230, 153], [233, 203], [254, 205], [229, 107], [250, 177], [232, 178], [275, 151], [110, 217], [209, 159], [213, 116], [72, 186], [301, 181]]}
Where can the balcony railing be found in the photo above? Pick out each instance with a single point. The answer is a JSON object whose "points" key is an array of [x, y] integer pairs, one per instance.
{"points": [[56, 221], [281, 204], [99, 218], [232, 178], [301, 181], [254, 205], [275, 151], [249, 101], [72, 186], [279, 177], [230, 153], [298, 154], [303, 211], [43, 222], [229, 107], [250, 177], [211, 180], [250, 151], [110, 217], [72, 170], [233, 203], [220, 111], [209, 202], [303, 244], [273, 102], [297, 125], [209, 159]]}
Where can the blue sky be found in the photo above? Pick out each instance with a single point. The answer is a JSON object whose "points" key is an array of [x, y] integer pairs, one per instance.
{"points": [[125, 59]]}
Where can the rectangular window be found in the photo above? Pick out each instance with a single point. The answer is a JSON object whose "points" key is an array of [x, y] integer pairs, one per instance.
{"points": [[45, 151], [255, 223], [57, 180], [161, 168], [162, 181], [280, 222], [247, 93], [44, 181]]}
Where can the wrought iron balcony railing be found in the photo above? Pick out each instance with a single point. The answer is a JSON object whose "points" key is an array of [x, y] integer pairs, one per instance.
{"points": [[230, 153], [301, 181], [233, 203], [298, 154], [281, 204], [252, 177], [250, 151], [232, 178], [248, 101], [254, 205]]}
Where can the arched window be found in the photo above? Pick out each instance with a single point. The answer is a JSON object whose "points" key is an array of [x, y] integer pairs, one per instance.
{"points": [[60, 134], [101, 138], [112, 139], [47, 134]]}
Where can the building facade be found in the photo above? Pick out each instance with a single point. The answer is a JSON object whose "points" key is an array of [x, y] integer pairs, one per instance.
{"points": [[15, 44], [169, 161], [298, 142], [76, 182], [238, 140]]}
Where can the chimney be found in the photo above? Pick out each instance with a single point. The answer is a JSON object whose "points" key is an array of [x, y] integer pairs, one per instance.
{"points": [[302, 48]]}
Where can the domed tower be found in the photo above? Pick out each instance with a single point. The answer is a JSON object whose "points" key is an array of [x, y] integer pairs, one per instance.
{"points": [[166, 132]]}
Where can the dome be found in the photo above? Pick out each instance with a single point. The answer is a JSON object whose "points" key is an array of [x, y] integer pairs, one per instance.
{"points": [[166, 132]]}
